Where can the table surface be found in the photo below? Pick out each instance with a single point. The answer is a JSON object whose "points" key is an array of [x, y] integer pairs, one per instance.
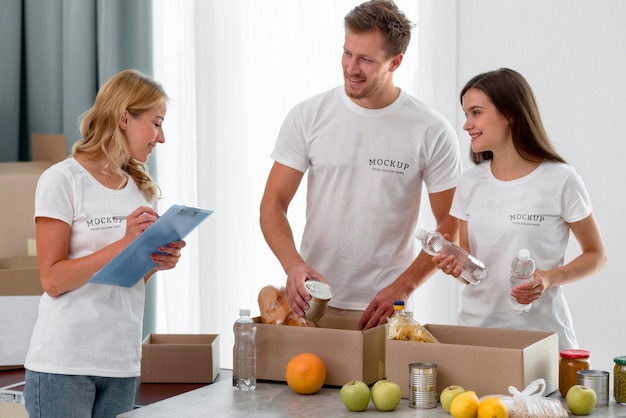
{"points": [[276, 399], [147, 393]]}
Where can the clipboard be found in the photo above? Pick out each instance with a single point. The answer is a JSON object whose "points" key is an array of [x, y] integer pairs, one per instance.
{"points": [[134, 262]]}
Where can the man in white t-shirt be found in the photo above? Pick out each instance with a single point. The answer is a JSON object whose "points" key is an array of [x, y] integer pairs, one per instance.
{"points": [[368, 147]]}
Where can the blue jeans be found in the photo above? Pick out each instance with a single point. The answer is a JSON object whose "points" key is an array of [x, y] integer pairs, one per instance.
{"points": [[68, 396]]}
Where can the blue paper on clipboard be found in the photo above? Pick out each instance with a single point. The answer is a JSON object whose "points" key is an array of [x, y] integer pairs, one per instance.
{"points": [[132, 264]]}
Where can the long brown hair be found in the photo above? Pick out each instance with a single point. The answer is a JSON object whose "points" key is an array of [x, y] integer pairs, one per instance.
{"points": [[131, 91], [512, 96]]}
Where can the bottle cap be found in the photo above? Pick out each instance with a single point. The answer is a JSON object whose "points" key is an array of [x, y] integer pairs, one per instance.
{"points": [[523, 254], [420, 234], [398, 305], [244, 312], [621, 360]]}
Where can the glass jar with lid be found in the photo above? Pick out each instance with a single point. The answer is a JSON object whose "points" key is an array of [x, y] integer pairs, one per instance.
{"points": [[619, 380], [570, 363]]}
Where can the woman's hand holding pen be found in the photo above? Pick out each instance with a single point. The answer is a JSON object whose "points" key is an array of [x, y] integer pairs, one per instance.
{"points": [[138, 221], [166, 257]]}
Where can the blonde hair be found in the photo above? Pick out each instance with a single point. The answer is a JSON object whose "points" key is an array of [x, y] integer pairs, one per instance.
{"points": [[130, 91]]}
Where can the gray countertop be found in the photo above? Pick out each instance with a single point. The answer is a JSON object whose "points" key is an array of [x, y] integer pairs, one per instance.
{"points": [[276, 399]]}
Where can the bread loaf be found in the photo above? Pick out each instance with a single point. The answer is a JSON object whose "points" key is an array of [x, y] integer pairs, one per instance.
{"points": [[275, 308]]}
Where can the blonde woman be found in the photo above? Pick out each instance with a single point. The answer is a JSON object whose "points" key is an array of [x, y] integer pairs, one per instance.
{"points": [[85, 352]]}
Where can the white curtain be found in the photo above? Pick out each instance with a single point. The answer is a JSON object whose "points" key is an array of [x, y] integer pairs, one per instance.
{"points": [[233, 69]]}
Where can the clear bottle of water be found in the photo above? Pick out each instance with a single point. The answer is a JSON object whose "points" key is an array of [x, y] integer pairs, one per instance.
{"points": [[244, 352], [472, 269], [522, 271]]}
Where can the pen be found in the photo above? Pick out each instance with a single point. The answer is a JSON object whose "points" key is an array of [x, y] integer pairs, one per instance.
{"points": [[123, 218]]}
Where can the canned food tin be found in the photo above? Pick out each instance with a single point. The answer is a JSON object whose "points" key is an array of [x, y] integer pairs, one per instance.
{"points": [[321, 293], [598, 380], [422, 385], [619, 379]]}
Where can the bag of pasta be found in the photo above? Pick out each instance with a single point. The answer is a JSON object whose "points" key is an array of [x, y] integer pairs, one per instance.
{"points": [[531, 403], [402, 327]]}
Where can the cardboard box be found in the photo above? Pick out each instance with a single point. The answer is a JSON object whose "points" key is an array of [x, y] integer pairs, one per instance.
{"points": [[180, 358], [484, 360], [347, 352], [18, 181], [12, 410], [20, 291]]}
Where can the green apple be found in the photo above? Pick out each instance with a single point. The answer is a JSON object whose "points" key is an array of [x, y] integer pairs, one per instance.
{"points": [[448, 394], [386, 395], [355, 395], [581, 400]]}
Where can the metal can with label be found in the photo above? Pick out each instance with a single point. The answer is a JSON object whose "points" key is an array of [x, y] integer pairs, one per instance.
{"points": [[422, 385], [321, 293], [598, 380]]}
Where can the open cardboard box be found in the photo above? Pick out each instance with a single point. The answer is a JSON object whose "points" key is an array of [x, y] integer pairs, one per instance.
{"points": [[180, 358], [485, 360], [348, 353], [20, 291]]}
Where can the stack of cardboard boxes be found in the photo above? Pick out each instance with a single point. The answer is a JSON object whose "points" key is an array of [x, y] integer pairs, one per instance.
{"points": [[20, 288]]}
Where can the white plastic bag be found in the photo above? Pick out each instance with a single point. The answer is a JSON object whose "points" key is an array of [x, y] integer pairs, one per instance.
{"points": [[531, 402]]}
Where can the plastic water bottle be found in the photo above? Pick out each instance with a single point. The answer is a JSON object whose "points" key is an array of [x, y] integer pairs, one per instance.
{"points": [[244, 352], [472, 269], [522, 271]]}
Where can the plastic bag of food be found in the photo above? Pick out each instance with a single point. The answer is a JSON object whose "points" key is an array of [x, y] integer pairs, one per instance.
{"points": [[405, 328], [531, 403]]}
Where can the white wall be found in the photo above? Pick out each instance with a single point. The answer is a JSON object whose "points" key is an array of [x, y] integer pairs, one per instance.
{"points": [[572, 54]]}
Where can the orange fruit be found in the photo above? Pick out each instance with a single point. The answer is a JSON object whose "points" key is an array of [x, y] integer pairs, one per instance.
{"points": [[305, 373], [492, 407], [464, 405]]}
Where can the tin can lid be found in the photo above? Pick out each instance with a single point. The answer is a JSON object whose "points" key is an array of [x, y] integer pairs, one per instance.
{"points": [[413, 366], [575, 354], [621, 360], [592, 373], [318, 289]]}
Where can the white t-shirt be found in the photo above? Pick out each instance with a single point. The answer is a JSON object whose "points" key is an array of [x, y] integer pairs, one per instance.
{"points": [[365, 173], [95, 329], [505, 216]]}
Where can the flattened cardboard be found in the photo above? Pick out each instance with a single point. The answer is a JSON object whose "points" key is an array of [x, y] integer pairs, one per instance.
{"points": [[484, 360], [180, 358], [347, 352]]}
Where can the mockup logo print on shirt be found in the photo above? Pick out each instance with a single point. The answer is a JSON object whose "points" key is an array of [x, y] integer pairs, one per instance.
{"points": [[388, 165], [104, 223], [526, 219]]}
